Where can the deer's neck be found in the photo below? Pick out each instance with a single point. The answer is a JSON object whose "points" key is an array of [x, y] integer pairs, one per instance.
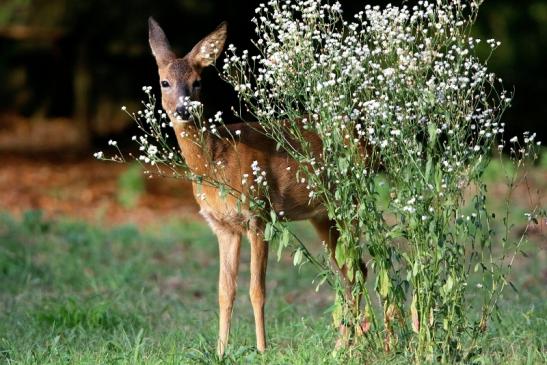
{"points": [[192, 147]]}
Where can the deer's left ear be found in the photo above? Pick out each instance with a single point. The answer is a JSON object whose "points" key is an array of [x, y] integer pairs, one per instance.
{"points": [[209, 48]]}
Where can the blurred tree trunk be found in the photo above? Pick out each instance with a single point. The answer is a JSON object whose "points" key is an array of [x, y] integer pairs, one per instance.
{"points": [[82, 87]]}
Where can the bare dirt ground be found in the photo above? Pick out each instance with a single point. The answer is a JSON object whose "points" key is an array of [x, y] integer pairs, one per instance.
{"points": [[86, 189]]}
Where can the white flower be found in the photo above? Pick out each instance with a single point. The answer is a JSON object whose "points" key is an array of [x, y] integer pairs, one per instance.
{"points": [[388, 71], [409, 209], [152, 150], [255, 167], [514, 139]]}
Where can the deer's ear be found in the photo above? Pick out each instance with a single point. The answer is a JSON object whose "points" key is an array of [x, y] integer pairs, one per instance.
{"points": [[159, 44], [209, 48]]}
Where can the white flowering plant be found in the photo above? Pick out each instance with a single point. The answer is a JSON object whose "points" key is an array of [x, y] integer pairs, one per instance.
{"points": [[403, 105], [408, 116]]}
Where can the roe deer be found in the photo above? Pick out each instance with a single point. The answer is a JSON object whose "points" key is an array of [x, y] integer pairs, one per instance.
{"points": [[180, 79]]}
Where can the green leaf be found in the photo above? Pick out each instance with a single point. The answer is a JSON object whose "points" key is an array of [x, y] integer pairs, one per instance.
{"points": [[340, 254], [283, 242], [449, 284], [428, 167], [285, 235], [297, 259], [321, 282], [432, 133], [273, 216], [385, 283], [268, 232]]}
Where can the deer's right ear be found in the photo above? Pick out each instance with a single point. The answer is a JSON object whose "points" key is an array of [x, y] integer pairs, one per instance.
{"points": [[159, 44]]}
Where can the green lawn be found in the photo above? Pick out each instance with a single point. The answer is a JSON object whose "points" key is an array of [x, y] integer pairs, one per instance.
{"points": [[74, 293]]}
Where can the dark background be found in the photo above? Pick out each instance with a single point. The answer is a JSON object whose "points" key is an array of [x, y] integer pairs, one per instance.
{"points": [[78, 62]]}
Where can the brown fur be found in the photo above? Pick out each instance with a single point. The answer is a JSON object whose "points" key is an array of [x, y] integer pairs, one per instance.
{"points": [[226, 218]]}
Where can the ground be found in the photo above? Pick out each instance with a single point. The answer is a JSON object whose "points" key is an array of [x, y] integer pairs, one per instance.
{"points": [[81, 187], [95, 268]]}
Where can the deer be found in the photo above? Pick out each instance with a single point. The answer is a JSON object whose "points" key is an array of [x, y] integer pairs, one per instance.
{"points": [[180, 80]]}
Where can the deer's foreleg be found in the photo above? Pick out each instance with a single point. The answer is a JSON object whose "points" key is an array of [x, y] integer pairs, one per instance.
{"points": [[257, 290], [229, 243]]}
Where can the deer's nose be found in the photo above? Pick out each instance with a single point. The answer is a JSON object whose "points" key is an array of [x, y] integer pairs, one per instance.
{"points": [[182, 112]]}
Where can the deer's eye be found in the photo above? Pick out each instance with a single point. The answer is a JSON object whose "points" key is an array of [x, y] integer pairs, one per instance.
{"points": [[165, 83], [196, 84]]}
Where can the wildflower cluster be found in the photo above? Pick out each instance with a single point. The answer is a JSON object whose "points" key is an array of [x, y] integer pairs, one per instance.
{"points": [[401, 90]]}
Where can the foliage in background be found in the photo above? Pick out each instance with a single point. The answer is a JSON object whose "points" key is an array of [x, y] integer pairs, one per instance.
{"points": [[115, 47]]}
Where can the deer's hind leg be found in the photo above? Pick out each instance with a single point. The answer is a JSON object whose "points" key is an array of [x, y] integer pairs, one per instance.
{"points": [[326, 229], [229, 243]]}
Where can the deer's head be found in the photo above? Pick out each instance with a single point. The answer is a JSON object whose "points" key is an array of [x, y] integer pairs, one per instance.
{"points": [[180, 78]]}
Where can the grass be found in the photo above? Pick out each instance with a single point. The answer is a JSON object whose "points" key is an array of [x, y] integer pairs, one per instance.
{"points": [[76, 293]]}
